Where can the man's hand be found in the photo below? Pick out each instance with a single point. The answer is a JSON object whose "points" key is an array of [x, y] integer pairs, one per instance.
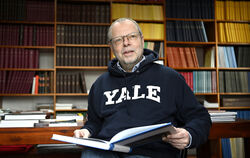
{"points": [[81, 133], [179, 140]]}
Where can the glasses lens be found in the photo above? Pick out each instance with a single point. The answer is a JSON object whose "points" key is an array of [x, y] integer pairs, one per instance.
{"points": [[119, 40]]}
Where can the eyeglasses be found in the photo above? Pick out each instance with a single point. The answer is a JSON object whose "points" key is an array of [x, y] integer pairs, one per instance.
{"points": [[119, 40]]}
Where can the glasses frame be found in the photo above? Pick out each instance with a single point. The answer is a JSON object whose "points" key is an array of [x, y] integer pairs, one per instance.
{"points": [[122, 38]]}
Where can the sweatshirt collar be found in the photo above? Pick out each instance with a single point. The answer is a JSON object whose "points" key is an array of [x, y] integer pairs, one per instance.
{"points": [[134, 68]]}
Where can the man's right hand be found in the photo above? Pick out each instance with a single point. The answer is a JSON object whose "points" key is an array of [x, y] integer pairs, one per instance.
{"points": [[81, 133]]}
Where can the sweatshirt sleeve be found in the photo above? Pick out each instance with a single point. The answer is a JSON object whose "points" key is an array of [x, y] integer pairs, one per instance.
{"points": [[195, 117], [94, 122]]}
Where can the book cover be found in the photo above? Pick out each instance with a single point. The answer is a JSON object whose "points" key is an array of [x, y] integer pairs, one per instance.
{"points": [[125, 140]]}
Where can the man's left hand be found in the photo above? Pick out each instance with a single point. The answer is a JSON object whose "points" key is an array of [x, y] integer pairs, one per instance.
{"points": [[180, 139]]}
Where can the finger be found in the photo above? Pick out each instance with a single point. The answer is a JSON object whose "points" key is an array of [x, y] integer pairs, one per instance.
{"points": [[77, 133]]}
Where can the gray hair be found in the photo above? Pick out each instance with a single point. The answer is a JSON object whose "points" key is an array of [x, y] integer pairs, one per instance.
{"points": [[121, 20]]}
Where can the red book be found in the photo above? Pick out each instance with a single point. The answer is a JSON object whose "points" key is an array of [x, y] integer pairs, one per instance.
{"points": [[177, 58], [190, 62], [31, 54], [37, 84], [182, 57], [194, 55], [6, 57], [2, 57], [191, 80], [170, 57], [26, 58], [25, 35]]}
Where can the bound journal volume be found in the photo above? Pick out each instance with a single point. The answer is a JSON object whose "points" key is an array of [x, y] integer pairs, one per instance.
{"points": [[125, 140]]}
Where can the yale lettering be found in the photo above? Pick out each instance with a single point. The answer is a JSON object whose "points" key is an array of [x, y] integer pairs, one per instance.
{"points": [[152, 94]]}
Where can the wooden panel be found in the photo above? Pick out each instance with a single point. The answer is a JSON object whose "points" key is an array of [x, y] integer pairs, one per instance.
{"points": [[20, 136]]}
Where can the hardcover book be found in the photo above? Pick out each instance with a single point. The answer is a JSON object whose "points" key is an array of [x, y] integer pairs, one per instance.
{"points": [[125, 140]]}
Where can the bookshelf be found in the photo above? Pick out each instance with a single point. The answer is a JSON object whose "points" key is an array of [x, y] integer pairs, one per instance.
{"points": [[75, 45]]}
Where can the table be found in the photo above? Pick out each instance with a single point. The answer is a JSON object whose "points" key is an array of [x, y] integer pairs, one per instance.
{"points": [[212, 148], [42, 135]]}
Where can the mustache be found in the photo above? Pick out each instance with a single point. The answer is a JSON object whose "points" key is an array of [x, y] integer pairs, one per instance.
{"points": [[128, 50]]}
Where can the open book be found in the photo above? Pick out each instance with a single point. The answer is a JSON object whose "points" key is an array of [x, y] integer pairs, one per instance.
{"points": [[125, 140]]}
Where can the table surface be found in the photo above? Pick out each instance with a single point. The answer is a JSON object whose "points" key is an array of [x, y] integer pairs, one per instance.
{"points": [[42, 135]]}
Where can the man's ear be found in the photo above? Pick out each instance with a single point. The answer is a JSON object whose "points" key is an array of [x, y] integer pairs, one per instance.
{"points": [[112, 52], [142, 40]]}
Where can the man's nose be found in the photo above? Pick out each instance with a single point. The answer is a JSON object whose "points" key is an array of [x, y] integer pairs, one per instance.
{"points": [[125, 41]]}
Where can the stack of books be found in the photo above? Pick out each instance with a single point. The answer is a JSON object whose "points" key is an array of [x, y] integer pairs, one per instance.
{"points": [[57, 123], [22, 119], [64, 106], [222, 116]]}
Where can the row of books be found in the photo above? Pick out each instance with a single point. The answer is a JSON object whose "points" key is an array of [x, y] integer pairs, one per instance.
{"points": [[182, 57], [43, 83], [19, 58], [233, 10], [191, 9], [81, 34], [233, 32], [27, 10], [137, 11], [155, 46], [40, 119], [201, 81], [227, 57], [235, 101], [234, 56], [71, 82], [152, 31], [82, 56], [243, 56], [186, 31], [83, 12], [234, 81], [16, 81], [27, 35]]}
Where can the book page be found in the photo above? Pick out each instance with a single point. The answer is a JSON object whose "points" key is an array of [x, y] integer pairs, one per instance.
{"points": [[136, 131]]}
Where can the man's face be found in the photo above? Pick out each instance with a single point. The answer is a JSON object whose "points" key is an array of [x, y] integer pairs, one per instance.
{"points": [[127, 44]]}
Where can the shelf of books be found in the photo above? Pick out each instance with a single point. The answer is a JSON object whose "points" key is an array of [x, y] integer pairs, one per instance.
{"points": [[51, 51], [82, 52], [55, 49]]}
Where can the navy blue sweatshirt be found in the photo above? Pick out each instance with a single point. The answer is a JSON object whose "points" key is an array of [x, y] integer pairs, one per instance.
{"points": [[152, 94]]}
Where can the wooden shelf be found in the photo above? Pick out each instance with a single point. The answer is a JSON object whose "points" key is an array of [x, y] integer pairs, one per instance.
{"points": [[26, 22], [27, 95], [71, 94], [31, 47], [182, 19], [24, 69], [82, 45], [83, 67], [82, 23]]}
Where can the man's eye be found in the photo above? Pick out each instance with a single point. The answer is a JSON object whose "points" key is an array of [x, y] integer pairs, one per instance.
{"points": [[118, 40], [132, 36]]}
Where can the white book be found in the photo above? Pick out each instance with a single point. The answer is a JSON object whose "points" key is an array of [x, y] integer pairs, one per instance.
{"points": [[210, 105], [33, 85], [63, 124], [63, 107], [125, 140], [226, 113], [25, 116], [18, 123], [64, 104]]}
